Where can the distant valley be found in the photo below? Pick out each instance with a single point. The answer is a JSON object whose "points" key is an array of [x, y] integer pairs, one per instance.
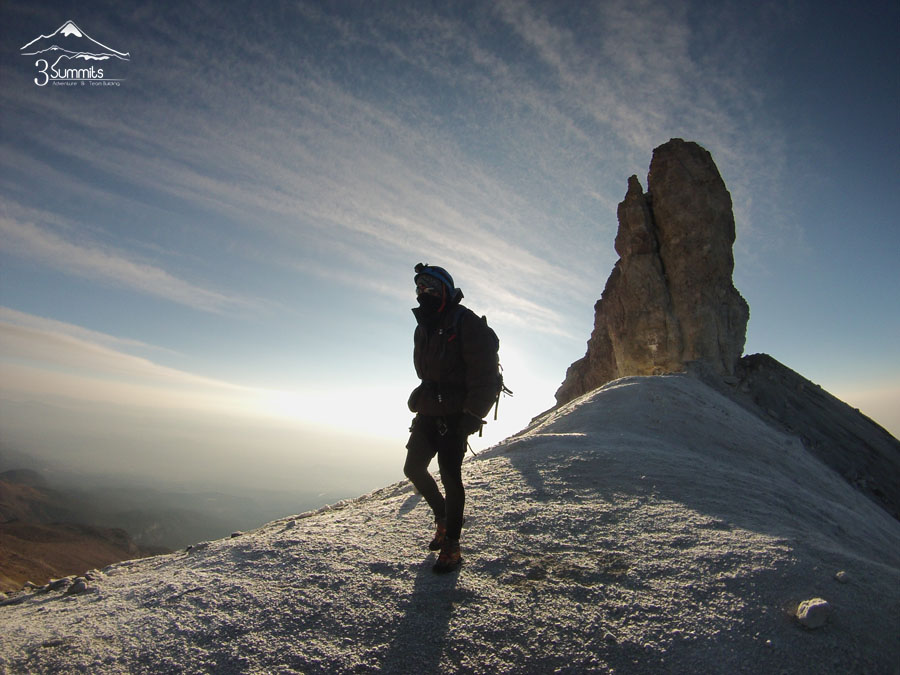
{"points": [[49, 530]]}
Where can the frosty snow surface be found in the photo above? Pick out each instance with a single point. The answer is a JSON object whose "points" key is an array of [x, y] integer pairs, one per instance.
{"points": [[649, 526]]}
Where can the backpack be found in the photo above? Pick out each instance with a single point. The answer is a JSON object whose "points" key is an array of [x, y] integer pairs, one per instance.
{"points": [[456, 334]]}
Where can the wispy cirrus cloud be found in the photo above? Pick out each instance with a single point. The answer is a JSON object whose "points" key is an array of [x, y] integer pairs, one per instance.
{"points": [[331, 193], [46, 359], [93, 261], [44, 325], [634, 74], [57, 362], [323, 166]]}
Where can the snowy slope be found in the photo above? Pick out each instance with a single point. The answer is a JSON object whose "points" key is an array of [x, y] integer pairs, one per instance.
{"points": [[650, 526]]}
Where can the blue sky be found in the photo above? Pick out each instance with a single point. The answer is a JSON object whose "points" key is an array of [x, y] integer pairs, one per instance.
{"points": [[207, 270]]}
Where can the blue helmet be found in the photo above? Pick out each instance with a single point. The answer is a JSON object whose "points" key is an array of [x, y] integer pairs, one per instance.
{"points": [[441, 275]]}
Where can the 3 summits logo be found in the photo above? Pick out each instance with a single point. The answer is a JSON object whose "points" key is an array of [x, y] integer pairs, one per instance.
{"points": [[61, 55]]}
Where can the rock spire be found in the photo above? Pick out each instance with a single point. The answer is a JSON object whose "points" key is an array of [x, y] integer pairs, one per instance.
{"points": [[670, 299]]}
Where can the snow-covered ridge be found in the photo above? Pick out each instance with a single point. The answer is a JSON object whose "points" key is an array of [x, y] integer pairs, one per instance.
{"points": [[649, 526]]}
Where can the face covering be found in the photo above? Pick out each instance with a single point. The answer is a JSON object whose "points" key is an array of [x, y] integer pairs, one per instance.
{"points": [[429, 303]]}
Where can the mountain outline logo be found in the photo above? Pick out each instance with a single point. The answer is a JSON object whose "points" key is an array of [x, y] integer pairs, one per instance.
{"points": [[71, 43]]}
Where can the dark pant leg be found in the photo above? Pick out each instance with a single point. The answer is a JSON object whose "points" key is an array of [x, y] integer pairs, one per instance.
{"points": [[419, 451], [450, 458]]}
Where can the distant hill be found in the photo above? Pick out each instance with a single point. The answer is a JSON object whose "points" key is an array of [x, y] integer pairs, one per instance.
{"points": [[155, 519], [40, 540], [23, 477], [24, 495], [39, 552], [650, 526]]}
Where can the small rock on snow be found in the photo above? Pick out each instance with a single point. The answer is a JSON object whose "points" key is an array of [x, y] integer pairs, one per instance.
{"points": [[813, 613]]}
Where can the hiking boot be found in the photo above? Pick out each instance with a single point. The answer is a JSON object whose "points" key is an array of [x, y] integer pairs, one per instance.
{"points": [[450, 557], [440, 532]]}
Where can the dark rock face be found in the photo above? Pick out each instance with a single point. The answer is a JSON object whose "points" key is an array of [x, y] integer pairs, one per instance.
{"points": [[841, 437], [670, 298]]}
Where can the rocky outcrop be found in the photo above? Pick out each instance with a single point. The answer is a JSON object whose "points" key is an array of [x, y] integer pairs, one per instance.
{"points": [[670, 305], [670, 298]]}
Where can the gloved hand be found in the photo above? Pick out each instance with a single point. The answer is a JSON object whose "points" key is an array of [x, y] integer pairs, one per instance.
{"points": [[413, 402], [469, 424]]}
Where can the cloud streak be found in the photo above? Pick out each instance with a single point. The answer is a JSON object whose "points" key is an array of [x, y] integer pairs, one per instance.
{"points": [[60, 363], [106, 264], [64, 364], [56, 346], [328, 166], [13, 318]]}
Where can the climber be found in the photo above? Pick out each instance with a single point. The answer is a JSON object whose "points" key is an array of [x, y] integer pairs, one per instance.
{"points": [[455, 356]]}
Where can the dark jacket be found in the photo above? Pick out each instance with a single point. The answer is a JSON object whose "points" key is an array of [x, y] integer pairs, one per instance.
{"points": [[457, 364]]}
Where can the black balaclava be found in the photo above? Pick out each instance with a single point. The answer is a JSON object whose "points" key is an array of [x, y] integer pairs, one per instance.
{"points": [[431, 304]]}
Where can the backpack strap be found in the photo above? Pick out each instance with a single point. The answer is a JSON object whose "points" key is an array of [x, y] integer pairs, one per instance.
{"points": [[451, 331], [454, 321]]}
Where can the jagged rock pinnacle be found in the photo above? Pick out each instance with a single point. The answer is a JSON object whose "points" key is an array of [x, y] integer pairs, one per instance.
{"points": [[670, 298]]}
